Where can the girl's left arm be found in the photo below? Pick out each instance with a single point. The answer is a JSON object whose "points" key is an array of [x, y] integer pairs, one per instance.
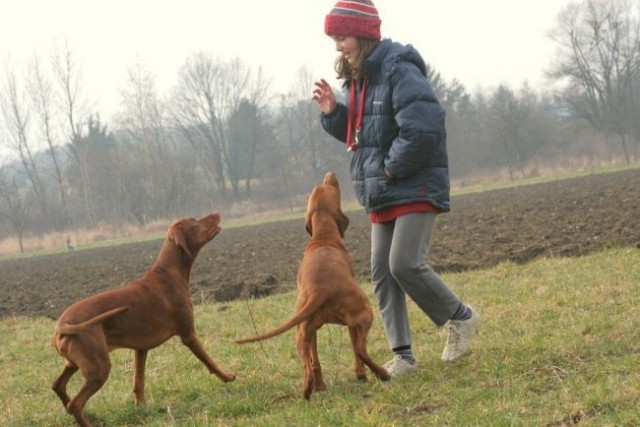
{"points": [[335, 123]]}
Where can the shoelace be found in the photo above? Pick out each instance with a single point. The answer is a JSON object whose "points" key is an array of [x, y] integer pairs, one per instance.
{"points": [[451, 333], [391, 363]]}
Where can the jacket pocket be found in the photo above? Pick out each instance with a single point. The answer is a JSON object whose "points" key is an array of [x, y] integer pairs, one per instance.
{"points": [[380, 191]]}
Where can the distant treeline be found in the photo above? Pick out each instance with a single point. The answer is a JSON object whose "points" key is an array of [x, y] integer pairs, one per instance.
{"points": [[223, 140]]}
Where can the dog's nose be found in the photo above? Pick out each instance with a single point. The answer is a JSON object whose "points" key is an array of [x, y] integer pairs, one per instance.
{"points": [[330, 178], [214, 216]]}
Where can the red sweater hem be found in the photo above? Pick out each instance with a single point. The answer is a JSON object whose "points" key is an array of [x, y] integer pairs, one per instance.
{"points": [[393, 212]]}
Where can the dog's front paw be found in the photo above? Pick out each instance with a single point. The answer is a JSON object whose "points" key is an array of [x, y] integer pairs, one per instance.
{"points": [[227, 378], [384, 376]]}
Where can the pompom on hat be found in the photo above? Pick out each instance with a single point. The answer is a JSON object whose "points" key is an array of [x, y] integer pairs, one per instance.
{"points": [[353, 18]]}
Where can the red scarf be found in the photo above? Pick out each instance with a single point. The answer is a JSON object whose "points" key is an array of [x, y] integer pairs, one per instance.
{"points": [[354, 119]]}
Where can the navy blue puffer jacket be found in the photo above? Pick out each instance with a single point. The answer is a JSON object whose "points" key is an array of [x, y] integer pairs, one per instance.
{"points": [[403, 128]]}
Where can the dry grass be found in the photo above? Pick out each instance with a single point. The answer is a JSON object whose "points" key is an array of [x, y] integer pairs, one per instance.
{"points": [[252, 213], [80, 237]]}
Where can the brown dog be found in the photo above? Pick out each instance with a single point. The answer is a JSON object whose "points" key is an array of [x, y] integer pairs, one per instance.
{"points": [[327, 290], [141, 316]]}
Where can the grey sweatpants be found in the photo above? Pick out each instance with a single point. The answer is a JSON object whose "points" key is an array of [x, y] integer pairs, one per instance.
{"points": [[399, 267]]}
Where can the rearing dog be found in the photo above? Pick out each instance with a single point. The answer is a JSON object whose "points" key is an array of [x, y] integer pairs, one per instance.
{"points": [[141, 316], [327, 290]]}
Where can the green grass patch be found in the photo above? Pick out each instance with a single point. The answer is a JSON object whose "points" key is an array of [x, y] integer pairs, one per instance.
{"points": [[559, 345]]}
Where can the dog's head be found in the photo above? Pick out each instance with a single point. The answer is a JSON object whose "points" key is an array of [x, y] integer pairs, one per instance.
{"points": [[191, 234], [325, 199]]}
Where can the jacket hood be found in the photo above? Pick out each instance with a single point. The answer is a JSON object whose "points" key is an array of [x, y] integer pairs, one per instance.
{"points": [[388, 53]]}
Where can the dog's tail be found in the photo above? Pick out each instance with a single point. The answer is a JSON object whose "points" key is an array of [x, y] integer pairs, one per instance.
{"points": [[69, 329], [303, 314]]}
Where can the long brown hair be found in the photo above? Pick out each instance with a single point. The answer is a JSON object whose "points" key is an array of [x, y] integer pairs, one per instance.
{"points": [[345, 70]]}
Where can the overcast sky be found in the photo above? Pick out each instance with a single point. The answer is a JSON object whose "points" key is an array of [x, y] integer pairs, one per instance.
{"points": [[482, 43]]}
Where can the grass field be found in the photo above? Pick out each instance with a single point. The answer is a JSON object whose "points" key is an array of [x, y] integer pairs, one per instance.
{"points": [[559, 346]]}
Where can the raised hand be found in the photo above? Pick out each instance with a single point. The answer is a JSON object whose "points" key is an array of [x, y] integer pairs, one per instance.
{"points": [[324, 96]]}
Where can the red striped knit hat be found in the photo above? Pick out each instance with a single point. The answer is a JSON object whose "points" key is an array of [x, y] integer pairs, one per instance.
{"points": [[356, 18]]}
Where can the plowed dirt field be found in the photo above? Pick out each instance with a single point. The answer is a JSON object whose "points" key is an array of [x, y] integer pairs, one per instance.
{"points": [[570, 217]]}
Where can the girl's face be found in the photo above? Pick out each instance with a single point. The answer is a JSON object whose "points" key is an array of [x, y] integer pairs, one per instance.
{"points": [[348, 47]]}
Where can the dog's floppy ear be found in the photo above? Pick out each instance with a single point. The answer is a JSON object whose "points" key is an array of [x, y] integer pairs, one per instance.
{"points": [[343, 223], [307, 224], [178, 238], [312, 206]]}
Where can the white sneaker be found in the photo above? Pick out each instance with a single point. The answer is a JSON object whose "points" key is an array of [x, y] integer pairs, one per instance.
{"points": [[399, 366], [459, 336]]}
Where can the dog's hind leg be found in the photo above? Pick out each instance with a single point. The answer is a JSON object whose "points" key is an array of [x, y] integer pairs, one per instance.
{"points": [[356, 339], [140, 361], [359, 334], [95, 371], [304, 347], [318, 384], [60, 384]]}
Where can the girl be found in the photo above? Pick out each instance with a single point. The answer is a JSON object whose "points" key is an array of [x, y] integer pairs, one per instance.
{"points": [[394, 127]]}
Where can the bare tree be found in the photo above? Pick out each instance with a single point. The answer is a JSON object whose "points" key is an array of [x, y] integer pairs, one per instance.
{"points": [[150, 152], [634, 110], [312, 150], [68, 76], [67, 72], [599, 56], [17, 118], [15, 204], [247, 126], [100, 147], [305, 114], [539, 132], [42, 98], [198, 109], [465, 127], [208, 94], [246, 131], [506, 118], [450, 95]]}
